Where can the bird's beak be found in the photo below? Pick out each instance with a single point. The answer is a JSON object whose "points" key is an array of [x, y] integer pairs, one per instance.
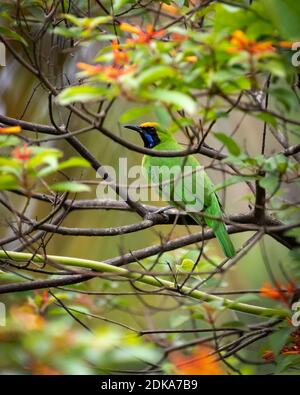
{"points": [[133, 127]]}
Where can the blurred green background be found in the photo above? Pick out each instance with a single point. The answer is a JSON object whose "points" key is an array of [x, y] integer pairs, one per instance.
{"points": [[59, 345]]}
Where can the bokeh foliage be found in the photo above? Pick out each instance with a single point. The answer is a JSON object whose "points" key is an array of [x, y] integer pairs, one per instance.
{"points": [[224, 77]]}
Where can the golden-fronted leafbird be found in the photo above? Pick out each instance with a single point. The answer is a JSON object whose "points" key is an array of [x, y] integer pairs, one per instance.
{"points": [[179, 181]]}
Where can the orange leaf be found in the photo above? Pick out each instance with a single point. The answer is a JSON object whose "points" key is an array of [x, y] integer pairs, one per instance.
{"points": [[191, 58], [170, 9], [200, 362], [179, 37], [286, 44], [270, 292], [89, 68], [27, 317], [126, 27], [38, 368], [240, 42], [11, 130], [278, 292]]}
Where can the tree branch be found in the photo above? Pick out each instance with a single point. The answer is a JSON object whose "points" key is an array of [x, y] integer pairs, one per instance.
{"points": [[147, 280]]}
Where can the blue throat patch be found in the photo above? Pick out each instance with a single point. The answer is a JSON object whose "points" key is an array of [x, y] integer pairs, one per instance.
{"points": [[150, 137]]}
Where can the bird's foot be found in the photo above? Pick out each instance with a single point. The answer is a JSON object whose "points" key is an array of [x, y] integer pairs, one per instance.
{"points": [[162, 210], [159, 215]]}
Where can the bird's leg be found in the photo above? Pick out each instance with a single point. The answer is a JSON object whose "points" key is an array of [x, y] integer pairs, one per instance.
{"points": [[160, 213], [163, 209]]}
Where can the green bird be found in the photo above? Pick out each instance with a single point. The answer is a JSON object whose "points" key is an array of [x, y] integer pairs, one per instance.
{"points": [[177, 185]]}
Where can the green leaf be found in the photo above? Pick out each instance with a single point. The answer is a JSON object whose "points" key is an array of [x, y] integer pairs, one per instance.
{"points": [[229, 143], [8, 33], [82, 94], [276, 163], [234, 324], [228, 81], [187, 265], [178, 99], [177, 320], [79, 309], [269, 183], [285, 15], [99, 20], [279, 339], [180, 3], [133, 113], [8, 141], [199, 316], [88, 22], [11, 168], [249, 297], [69, 186], [12, 162], [233, 180], [45, 171], [67, 32], [118, 4], [74, 162], [274, 66], [8, 182], [284, 96], [155, 74], [284, 362], [268, 118], [48, 156], [162, 116]]}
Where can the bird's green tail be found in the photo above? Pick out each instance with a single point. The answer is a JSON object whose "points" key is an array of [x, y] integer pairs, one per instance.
{"points": [[218, 227]]}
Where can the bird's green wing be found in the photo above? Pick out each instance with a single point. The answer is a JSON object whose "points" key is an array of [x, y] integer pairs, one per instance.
{"points": [[178, 181], [190, 190], [219, 227]]}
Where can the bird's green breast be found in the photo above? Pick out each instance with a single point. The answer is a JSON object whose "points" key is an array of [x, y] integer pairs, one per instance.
{"points": [[151, 163], [170, 145]]}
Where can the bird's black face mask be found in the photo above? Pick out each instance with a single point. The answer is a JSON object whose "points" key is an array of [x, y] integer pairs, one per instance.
{"points": [[147, 133]]}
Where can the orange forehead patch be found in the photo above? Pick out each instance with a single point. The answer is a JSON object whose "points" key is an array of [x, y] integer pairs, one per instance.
{"points": [[148, 124]]}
